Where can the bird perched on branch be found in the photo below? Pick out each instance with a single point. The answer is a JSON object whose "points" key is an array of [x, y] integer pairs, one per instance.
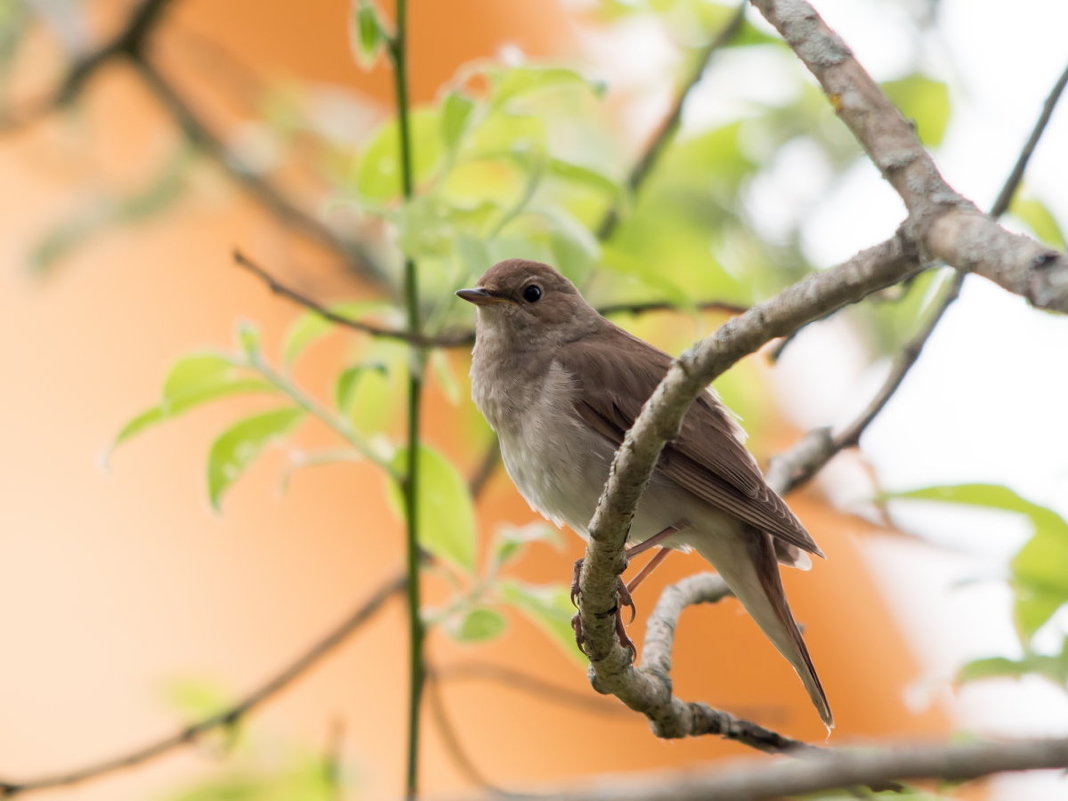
{"points": [[561, 385]]}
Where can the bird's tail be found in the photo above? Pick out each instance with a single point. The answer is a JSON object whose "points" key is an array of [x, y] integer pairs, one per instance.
{"points": [[747, 562]]}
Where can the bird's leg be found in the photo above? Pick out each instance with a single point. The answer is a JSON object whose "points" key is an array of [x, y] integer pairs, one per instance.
{"points": [[623, 590]]}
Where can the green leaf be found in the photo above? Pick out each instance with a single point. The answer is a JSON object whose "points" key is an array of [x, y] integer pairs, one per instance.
{"points": [[192, 381], [347, 382], [378, 177], [455, 112], [445, 513], [370, 34], [196, 697], [240, 444], [511, 540], [248, 338], [924, 100], [512, 82], [312, 326], [1039, 575], [1040, 220], [479, 625], [549, 606], [1053, 667], [991, 496]]}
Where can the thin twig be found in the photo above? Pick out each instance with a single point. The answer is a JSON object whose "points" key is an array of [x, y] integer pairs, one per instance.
{"points": [[670, 125], [457, 339], [228, 717], [532, 685], [450, 737], [797, 466]]}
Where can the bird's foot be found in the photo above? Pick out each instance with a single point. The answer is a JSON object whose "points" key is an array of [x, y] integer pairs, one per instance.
{"points": [[621, 633]]}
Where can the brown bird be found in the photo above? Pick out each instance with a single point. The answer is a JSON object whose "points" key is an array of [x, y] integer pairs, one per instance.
{"points": [[561, 385]]}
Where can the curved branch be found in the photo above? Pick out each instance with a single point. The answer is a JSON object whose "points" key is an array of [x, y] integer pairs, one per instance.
{"points": [[942, 222], [798, 465], [226, 718]]}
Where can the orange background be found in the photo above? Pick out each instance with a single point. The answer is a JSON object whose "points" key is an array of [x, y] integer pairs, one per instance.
{"points": [[114, 584]]}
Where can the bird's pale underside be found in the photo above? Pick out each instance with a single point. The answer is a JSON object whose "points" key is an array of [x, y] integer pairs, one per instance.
{"points": [[561, 385]]}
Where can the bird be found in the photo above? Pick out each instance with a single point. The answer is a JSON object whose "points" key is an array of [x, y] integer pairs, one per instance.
{"points": [[561, 385]]}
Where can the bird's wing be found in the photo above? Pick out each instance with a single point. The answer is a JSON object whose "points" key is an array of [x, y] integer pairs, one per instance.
{"points": [[615, 373]]}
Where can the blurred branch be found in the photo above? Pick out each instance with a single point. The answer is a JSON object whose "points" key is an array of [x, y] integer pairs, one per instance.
{"points": [[227, 718], [354, 253], [530, 684], [130, 44], [943, 224], [670, 125], [449, 736], [798, 465], [829, 770]]}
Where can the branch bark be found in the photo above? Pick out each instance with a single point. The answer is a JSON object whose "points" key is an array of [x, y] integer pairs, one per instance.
{"points": [[833, 769], [943, 223]]}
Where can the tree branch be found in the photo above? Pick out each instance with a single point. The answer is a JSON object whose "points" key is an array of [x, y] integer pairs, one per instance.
{"points": [[454, 339], [798, 465], [830, 770], [943, 223], [226, 718]]}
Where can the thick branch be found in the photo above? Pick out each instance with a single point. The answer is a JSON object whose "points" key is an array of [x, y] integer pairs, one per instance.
{"points": [[834, 769], [799, 464], [945, 225], [226, 718]]}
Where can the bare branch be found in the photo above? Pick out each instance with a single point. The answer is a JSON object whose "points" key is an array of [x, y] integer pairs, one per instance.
{"points": [[830, 769], [226, 718], [943, 223], [797, 465]]}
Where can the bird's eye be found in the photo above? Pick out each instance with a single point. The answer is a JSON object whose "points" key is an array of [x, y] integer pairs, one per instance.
{"points": [[532, 293]]}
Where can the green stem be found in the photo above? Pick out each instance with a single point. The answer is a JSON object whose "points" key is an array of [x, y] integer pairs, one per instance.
{"points": [[416, 631], [335, 422]]}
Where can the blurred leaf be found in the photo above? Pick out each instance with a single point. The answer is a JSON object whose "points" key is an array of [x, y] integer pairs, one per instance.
{"points": [[157, 196], [240, 444], [1054, 668], [1040, 220], [479, 625], [924, 100], [196, 697], [446, 515], [347, 382], [378, 172], [248, 339], [1040, 576], [370, 34], [575, 249], [455, 113], [512, 82], [311, 325], [193, 380], [511, 540], [547, 605]]}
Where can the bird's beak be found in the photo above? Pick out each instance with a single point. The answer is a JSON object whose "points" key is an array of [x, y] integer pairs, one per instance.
{"points": [[480, 296]]}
